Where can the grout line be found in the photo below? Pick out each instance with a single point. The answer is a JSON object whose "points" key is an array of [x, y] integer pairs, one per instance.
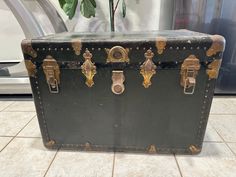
{"points": [[7, 144], [177, 163], [8, 106], [17, 111], [224, 141], [220, 114], [28, 137], [113, 164], [13, 137], [213, 141], [6, 136], [51, 163]]}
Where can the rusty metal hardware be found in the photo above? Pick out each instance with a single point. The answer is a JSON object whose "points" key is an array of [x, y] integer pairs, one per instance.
{"points": [[118, 79], [88, 68], [218, 45], [194, 149], [189, 71], [117, 54], [160, 44], [148, 69], [152, 149], [213, 69], [28, 49], [76, 45], [52, 73], [31, 68]]}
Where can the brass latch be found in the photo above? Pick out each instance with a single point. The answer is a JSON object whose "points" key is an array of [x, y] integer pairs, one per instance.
{"points": [[189, 71], [118, 79], [52, 74]]}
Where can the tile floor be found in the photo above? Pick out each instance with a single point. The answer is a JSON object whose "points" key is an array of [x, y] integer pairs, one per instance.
{"points": [[22, 153]]}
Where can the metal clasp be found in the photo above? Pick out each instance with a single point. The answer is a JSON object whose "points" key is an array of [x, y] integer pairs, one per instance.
{"points": [[52, 74], [189, 71], [118, 79]]}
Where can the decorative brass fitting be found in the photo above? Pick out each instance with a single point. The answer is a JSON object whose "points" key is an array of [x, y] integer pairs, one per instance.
{"points": [[88, 68], [152, 149], [77, 46], [50, 143], [160, 44], [28, 49], [218, 45], [194, 149], [31, 68], [213, 69], [117, 54], [148, 69]]}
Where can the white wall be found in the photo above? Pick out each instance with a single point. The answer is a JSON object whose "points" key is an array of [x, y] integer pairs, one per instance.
{"points": [[11, 35]]}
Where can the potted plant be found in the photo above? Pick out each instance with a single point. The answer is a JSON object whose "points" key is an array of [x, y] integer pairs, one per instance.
{"points": [[88, 9]]}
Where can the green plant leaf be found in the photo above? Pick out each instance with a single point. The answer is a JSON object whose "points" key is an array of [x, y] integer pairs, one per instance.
{"points": [[69, 7], [123, 8], [62, 2], [87, 8]]}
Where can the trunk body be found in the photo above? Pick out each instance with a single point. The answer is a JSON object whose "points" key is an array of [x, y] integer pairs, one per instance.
{"points": [[121, 108]]}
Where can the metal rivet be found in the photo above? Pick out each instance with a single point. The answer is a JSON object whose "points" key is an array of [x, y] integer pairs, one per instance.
{"points": [[49, 49], [177, 48], [137, 48], [184, 48], [43, 48], [61, 48], [171, 48], [92, 48], [144, 48], [55, 49], [37, 49], [68, 49], [191, 48], [198, 48], [99, 48]]}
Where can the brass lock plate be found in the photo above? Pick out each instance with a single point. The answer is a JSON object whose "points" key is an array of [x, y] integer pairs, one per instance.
{"points": [[117, 54], [52, 74], [118, 79], [189, 71]]}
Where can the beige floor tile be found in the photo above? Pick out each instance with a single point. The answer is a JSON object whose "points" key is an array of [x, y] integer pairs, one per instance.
{"points": [[4, 141], [211, 134], [223, 105], [215, 160], [12, 122], [25, 157], [81, 164], [139, 165], [24, 106], [31, 130], [232, 147], [4, 104], [225, 125]]}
